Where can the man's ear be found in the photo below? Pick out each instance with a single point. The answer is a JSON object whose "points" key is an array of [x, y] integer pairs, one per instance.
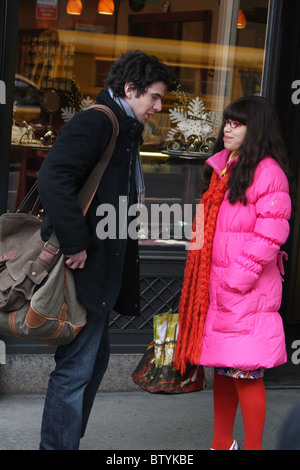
{"points": [[128, 89]]}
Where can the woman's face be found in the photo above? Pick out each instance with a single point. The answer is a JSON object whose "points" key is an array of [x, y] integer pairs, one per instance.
{"points": [[234, 133]]}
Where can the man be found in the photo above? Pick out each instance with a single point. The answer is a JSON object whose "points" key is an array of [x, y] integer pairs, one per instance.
{"points": [[106, 271]]}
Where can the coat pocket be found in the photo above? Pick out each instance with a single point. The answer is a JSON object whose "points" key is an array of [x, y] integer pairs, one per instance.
{"points": [[236, 312]]}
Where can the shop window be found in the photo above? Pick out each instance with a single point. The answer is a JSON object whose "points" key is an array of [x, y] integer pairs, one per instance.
{"points": [[214, 56], [101, 70]]}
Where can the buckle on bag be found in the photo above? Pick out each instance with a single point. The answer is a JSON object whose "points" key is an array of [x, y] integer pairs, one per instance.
{"points": [[47, 254], [46, 247]]}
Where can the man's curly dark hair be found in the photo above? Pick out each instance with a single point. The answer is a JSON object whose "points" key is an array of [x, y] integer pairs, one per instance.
{"points": [[137, 68]]}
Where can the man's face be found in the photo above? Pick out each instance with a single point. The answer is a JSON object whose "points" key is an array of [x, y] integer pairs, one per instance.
{"points": [[145, 105]]}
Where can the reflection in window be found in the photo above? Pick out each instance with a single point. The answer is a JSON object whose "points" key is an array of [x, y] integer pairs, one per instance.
{"points": [[215, 60]]}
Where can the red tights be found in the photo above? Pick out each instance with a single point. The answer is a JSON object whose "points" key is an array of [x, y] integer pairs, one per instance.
{"points": [[250, 393]]}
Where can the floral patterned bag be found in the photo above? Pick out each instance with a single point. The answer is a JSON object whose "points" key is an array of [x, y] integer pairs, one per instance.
{"points": [[155, 372]]}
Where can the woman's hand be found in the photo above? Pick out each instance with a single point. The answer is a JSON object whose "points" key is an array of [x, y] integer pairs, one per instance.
{"points": [[76, 261]]}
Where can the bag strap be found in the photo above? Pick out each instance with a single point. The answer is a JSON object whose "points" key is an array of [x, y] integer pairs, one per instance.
{"points": [[30, 201], [90, 187]]}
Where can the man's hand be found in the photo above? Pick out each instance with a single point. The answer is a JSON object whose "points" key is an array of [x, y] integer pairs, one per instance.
{"points": [[76, 261]]}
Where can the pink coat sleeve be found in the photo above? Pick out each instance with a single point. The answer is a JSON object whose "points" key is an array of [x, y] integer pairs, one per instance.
{"points": [[270, 195]]}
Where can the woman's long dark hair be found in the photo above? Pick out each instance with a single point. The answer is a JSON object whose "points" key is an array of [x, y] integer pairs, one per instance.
{"points": [[263, 137]]}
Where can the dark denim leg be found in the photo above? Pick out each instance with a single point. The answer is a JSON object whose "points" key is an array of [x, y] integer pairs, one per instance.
{"points": [[80, 366], [91, 389]]}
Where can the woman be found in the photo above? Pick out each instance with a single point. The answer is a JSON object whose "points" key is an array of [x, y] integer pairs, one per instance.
{"points": [[232, 288]]}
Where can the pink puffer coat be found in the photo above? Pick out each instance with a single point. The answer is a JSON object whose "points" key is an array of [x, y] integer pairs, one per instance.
{"points": [[243, 328]]}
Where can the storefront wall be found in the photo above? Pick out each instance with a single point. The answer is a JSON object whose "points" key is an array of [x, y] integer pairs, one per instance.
{"points": [[218, 50]]}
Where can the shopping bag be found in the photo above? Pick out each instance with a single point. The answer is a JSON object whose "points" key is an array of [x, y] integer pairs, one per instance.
{"points": [[155, 372]]}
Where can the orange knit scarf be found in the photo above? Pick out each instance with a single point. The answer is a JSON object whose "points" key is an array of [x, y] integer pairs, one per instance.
{"points": [[195, 295]]}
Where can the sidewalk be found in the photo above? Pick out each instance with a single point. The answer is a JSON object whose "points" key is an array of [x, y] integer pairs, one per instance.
{"points": [[141, 421]]}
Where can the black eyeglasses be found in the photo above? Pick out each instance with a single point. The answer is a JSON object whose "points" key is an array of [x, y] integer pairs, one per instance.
{"points": [[233, 124]]}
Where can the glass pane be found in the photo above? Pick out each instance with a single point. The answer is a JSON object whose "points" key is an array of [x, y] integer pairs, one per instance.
{"points": [[215, 49]]}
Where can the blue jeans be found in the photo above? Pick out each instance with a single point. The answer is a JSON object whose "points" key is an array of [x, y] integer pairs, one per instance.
{"points": [[74, 383]]}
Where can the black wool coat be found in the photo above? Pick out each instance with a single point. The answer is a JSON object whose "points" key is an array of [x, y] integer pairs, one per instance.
{"points": [[110, 278]]}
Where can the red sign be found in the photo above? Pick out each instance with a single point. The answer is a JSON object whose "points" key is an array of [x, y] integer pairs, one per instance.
{"points": [[46, 9]]}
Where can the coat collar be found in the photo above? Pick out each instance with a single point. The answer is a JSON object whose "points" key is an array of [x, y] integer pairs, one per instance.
{"points": [[125, 121], [219, 161], [104, 98]]}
